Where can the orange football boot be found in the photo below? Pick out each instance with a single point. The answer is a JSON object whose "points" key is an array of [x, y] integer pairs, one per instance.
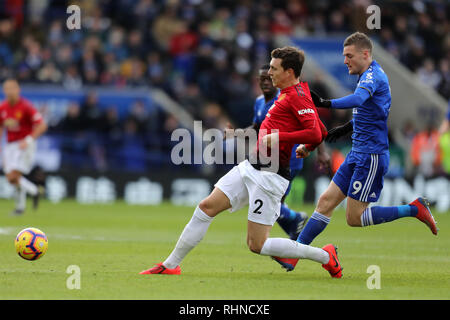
{"points": [[287, 263], [424, 213], [160, 269], [333, 266]]}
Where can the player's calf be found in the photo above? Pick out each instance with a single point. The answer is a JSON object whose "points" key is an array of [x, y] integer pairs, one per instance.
{"points": [[257, 235]]}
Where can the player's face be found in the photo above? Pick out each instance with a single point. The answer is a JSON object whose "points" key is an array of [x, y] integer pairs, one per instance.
{"points": [[265, 83], [279, 76], [355, 59], [11, 90]]}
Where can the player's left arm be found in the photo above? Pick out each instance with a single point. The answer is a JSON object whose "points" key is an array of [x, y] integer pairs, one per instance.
{"points": [[313, 131], [39, 128]]}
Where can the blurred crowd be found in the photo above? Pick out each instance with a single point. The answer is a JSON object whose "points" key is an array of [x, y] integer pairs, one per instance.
{"points": [[203, 53], [92, 135]]}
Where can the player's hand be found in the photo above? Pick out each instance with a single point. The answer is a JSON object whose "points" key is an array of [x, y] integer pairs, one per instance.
{"points": [[301, 152], [228, 132], [324, 159], [319, 102], [23, 144], [270, 140], [340, 131]]}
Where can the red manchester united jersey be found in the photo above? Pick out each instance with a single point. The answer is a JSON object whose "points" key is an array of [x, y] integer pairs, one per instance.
{"points": [[18, 119], [295, 117]]}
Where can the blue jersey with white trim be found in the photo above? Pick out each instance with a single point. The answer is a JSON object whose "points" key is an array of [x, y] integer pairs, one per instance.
{"points": [[370, 130], [260, 110], [261, 107]]}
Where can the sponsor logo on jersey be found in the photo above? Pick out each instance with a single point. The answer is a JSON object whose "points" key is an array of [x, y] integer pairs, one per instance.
{"points": [[305, 111], [11, 124]]}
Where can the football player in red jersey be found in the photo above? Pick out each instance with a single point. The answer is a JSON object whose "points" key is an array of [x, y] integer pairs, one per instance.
{"points": [[292, 119], [23, 124]]}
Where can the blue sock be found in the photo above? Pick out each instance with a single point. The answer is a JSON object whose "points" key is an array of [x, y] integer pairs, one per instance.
{"points": [[378, 215], [286, 213], [313, 228]]}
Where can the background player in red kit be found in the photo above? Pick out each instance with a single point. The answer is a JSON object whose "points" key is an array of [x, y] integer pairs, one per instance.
{"points": [[23, 124], [293, 119]]}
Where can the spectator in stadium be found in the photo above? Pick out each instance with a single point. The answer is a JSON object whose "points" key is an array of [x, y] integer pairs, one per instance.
{"points": [[72, 121], [425, 151], [444, 142], [403, 139], [428, 74], [445, 126], [90, 112]]}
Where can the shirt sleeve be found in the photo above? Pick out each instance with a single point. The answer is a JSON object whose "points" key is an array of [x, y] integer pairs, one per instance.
{"points": [[367, 81], [351, 101], [324, 132], [311, 132], [34, 114]]}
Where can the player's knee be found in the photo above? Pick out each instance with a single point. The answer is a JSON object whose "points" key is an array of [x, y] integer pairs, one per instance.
{"points": [[207, 206], [353, 220]]}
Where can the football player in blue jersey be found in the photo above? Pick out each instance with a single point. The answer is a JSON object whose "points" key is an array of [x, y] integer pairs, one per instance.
{"points": [[360, 178], [290, 221]]}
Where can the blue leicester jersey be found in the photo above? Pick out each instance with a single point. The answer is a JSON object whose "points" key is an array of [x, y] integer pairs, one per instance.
{"points": [[261, 107], [370, 130], [260, 110]]}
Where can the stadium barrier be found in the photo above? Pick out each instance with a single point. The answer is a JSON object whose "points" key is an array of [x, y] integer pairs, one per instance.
{"points": [[188, 188]]}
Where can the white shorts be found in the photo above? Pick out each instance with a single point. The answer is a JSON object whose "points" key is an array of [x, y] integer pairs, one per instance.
{"points": [[17, 159], [260, 190]]}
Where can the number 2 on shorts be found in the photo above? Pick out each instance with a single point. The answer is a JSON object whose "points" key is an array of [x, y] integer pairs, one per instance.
{"points": [[258, 202]]}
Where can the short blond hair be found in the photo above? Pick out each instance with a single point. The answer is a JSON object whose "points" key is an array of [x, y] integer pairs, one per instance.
{"points": [[359, 40]]}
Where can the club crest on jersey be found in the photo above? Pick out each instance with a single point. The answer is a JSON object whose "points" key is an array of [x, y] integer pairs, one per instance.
{"points": [[18, 114], [305, 111], [281, 97]]}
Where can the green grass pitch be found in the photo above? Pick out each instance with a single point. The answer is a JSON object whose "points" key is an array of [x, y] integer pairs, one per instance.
{"points": [[111, 244]]}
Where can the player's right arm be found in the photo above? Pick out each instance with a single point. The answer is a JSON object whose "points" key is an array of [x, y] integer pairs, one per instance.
{"points": [[351, 101]]}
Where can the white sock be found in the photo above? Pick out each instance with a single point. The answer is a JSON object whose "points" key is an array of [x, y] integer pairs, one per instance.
{"points": [[286, 248], [191, 236], [20, 198], [28, 186]]}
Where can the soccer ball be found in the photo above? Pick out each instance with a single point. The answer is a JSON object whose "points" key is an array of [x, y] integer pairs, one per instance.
{"points": [[31, 243]]}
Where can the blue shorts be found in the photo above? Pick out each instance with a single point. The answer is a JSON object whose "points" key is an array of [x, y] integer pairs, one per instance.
{"points": [[361, 175]]}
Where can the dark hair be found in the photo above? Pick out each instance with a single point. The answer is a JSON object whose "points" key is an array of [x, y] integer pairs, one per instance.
{"points": [[11, 79], [291, 57], [360, 40], [265, 67]]}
